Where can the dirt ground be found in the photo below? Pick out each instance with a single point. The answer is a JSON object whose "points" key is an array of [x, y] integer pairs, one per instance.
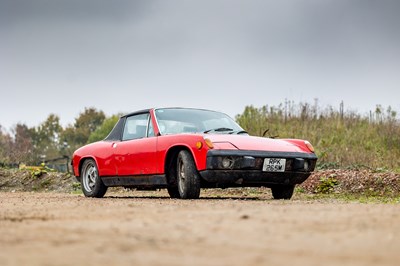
{"points": [[150, 229]]}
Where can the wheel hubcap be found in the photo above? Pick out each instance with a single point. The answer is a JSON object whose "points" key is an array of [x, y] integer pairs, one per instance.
{"points": [[90, 177]]}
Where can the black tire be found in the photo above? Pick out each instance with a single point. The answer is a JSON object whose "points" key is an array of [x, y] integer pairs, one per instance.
{"points": [[91, 183], [282, 191], [187, 176], [173, 192]]}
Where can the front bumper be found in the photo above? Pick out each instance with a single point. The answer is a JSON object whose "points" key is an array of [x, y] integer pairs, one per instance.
{"points": [[249, 178], [246, 168]]}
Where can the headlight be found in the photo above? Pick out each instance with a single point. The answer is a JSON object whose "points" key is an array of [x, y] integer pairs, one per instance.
{"points": [[227, 162], [306, 165]]}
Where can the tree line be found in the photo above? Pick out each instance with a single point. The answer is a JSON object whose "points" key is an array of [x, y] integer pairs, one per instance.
{"points": [[50, 140], [341, 138]]}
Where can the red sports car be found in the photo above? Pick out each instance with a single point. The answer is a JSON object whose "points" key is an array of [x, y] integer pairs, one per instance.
{"points": [[184, 150]]}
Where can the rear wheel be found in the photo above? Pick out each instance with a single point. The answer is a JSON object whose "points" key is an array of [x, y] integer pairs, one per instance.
{"points": [[187, 175], [282, 191], [92, 186]]}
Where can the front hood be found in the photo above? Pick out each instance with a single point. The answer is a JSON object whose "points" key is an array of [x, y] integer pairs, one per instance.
{"points": [[243, 142]]}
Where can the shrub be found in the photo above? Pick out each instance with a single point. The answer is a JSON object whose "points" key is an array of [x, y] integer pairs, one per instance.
{"points": [[327, 185]]}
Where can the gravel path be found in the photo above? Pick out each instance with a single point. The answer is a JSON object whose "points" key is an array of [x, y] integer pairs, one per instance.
{"points": [[132, 229]]}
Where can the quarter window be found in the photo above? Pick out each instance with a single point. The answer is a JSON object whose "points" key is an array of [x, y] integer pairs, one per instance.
{"points": [[150, 129]]}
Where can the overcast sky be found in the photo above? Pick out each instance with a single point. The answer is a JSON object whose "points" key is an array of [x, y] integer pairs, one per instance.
{"points": [[60, 56]]}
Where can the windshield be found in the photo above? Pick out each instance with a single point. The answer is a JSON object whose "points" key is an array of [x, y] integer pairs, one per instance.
{"points": [[180, 120]]}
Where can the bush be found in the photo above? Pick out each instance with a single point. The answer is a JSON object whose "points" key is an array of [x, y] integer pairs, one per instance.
{"points": [[327, 185]]}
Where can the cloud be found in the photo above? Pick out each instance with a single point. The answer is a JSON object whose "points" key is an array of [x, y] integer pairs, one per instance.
{"points": [[14, 11], [252, 52]]}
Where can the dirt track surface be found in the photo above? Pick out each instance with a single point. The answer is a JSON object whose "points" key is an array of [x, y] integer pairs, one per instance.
{"points": [[64, 229]]}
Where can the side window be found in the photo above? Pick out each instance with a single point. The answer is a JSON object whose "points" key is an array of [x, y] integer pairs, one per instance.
{"points": [[135, 127]]}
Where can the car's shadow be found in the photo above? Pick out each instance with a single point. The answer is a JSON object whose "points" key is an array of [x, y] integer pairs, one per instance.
{"points": [[199, 199]]}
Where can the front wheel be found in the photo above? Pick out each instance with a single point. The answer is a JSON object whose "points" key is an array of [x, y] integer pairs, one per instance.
{"points": [[282, 191], [92, 186], [188, 177], [173, 192]]}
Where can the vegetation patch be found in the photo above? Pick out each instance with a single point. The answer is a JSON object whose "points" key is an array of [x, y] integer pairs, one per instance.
{"points": [[37, 171], [18, 180], [363, 182], [327, 184], [342, 138]]}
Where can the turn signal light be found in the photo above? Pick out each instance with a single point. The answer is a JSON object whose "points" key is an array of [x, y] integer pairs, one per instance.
{"points": [[209, 143], [199, 145]]}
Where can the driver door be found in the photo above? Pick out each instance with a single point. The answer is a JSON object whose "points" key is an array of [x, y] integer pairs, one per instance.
{"points": [[136, 153]]}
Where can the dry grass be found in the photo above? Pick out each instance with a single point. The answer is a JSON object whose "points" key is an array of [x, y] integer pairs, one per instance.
{"points": [[341, 139]]}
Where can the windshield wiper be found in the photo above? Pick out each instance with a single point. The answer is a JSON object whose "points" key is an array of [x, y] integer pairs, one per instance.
{"points": [[220, 129], [239, 132]]}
